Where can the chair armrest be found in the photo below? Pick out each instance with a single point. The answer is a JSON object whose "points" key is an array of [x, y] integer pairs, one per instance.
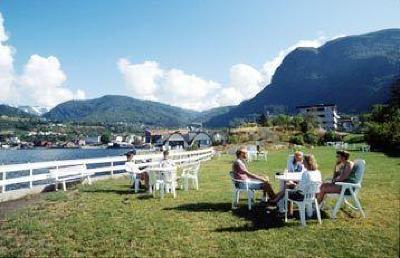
{"points": [[348, 184]]}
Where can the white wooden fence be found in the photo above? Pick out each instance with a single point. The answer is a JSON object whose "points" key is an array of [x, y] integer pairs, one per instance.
{"points": [[18, 180]]}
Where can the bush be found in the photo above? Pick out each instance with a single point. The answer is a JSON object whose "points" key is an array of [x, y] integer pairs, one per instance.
{"points": [[311, 138], [105, 138], [233, 139], [354, 138], [297, 139], [331, 136]]}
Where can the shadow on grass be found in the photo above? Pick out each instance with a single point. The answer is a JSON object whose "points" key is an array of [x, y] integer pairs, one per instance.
{"points": [[115, 191], [260, 217]]}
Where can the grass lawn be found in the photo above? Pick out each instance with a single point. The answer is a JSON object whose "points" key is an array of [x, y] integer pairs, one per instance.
{"points": [[106, 219]]}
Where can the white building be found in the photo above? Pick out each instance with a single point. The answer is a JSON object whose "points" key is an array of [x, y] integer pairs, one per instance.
{"points": [[324, 114]]}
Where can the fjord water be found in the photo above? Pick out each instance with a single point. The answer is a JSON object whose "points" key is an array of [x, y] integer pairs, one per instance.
{"points": [[38, 155]]}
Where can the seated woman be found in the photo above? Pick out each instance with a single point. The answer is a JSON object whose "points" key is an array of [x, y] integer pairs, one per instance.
{"points": [[311, 174], [255, 182], [343, 172]]}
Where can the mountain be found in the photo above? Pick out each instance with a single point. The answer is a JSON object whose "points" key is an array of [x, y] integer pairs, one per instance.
{"points": [[112, 109], [34, 110], [353, 72], [13, 112], [205, 116]]}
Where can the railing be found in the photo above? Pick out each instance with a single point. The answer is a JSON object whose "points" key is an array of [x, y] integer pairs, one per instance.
{"points": [[23, 178]]}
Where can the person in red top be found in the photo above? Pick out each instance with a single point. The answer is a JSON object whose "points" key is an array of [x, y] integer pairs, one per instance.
{"points": [[254, 181]]}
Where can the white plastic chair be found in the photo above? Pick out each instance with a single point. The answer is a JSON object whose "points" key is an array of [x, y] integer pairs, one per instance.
{"points": [[163, 180], [349, 191], [241, 186], [190, 173], [307, 203]]}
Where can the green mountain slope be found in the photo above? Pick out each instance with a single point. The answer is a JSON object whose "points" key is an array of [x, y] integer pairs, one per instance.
{"points": [[353, 72]]}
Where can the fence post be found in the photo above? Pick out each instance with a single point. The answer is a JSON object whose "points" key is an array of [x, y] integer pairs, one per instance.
{"points": [[31, 178], [3, 187]]}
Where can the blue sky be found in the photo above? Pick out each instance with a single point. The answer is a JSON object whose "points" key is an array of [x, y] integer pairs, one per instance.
{"points": [[109, 47]]}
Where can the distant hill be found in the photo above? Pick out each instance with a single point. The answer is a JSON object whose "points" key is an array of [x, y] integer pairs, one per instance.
{"points": [[205, 116], [353, 72], [34, 110], [112, 109], [13, 112]]}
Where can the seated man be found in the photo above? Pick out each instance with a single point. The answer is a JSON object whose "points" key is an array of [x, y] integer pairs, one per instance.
{"points": [[166, 162], [343, 172], [133, 168], [256, 182], [296, 164]]}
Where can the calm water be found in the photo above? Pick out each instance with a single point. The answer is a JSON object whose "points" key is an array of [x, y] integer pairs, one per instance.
{"points": [[37, 155]]}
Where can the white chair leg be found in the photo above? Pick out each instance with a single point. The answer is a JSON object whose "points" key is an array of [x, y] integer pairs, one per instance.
{"points": [[309, 209], [249, 199], [339, 203], [196, 182], [89, 180], [237, 197], [153, 187], [358, 204], [286, 207], [302, 211], [64, 184], [186, 184], [318, 211], [162, 189], [173, 190], [136, 185], [234, 198]]}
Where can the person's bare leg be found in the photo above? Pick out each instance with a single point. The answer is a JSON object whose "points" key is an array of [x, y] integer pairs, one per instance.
{"points": [[327, 188], [268, 190]]}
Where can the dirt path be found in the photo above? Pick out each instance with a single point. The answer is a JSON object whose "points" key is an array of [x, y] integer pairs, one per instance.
{"points": [[9, 207]]}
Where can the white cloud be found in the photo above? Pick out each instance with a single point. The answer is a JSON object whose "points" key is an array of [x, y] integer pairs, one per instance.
{"points": [[42, 80], [6, 64], [172, 86], [149, 81]]}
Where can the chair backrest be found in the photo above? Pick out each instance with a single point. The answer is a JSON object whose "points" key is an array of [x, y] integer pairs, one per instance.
{"points": [[312, 190], [359, 166], [64, 172], [195, 168], [289, 164], [235, 182]]}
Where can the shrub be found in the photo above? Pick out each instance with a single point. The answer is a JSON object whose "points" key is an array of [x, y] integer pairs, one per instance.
{"points": [[233, 139], [354, 138], [297, 139], [311, 138], [331, 136]]}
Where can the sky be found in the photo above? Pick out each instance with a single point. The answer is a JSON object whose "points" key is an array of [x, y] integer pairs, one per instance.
{"points": [[196, 54]]}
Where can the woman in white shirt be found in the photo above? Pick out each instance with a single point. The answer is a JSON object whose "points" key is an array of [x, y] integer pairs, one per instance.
{"points": [[311, 174]]}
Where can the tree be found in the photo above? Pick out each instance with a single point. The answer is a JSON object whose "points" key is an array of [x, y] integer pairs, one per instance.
{"points": [[383, 124], [307, 124], [105, 138]]}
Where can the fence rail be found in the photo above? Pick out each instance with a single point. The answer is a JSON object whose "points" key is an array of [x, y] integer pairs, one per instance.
{"points": [[23, 178]]}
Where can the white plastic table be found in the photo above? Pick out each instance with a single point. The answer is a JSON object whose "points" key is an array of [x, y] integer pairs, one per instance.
{"points": [[289, 176]]}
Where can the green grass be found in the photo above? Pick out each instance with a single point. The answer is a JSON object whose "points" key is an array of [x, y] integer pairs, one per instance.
{"points": [[106, 219]]}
